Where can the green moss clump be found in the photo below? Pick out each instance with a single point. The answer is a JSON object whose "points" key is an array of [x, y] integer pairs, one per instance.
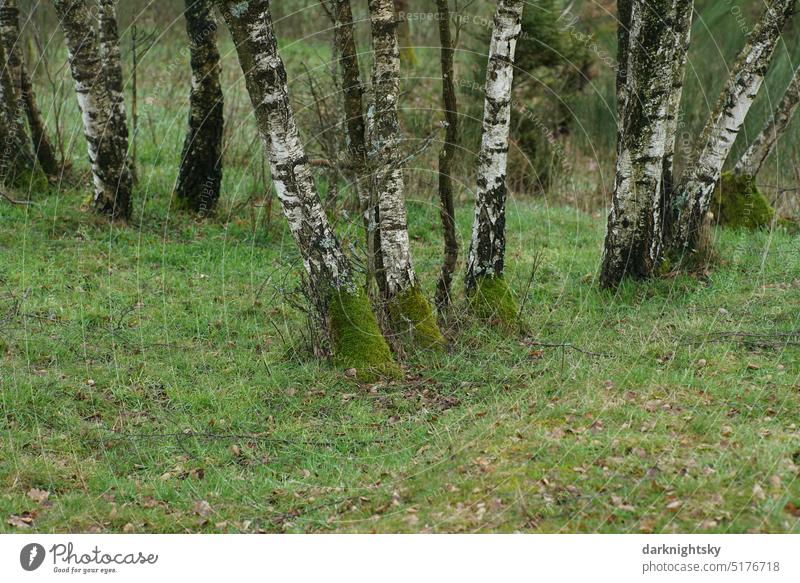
{"points": [[410, 310], [738, 203], [27, 180], [493, 300], [357, 339]]}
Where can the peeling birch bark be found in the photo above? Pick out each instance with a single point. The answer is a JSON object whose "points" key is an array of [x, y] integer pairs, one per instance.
{"points": [[633, 236], [200, 173], [394, 269], [106, 135], [759, 150], [487, 249], [693, 194]]}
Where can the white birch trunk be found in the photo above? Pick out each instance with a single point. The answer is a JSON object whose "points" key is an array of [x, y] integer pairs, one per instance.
{"points": [[251, 27], [754, 157], [110, 173], [693, 194], [487, 248], [633, 235], [393, 266]]}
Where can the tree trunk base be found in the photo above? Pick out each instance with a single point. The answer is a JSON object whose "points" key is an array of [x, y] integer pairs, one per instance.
{"points": [[411, 315], [356, 338], [492, 300]]}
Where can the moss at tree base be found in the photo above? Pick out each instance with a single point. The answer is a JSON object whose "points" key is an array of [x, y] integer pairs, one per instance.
{"points": [[356, 338], [411, 311], [26, 180], [492, 300], [737, 203]]}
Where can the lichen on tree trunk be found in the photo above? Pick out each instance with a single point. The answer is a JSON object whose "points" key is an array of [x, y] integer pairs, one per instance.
{"points": [[692, 195], [759, 150], [394, 270], [486, 258], [341, 312], [200, 173], [633, 235], [99, 101]]}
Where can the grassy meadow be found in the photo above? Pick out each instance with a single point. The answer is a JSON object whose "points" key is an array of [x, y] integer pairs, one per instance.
{"points": [[156, 377]]}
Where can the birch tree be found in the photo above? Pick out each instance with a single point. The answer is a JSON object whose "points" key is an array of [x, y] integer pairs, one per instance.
{"points": [[99, 101], [692, 196], [633, 235], [484, 281], [446, 155], [762, 146], [355, 125], [408, 309], [16, 158], [682, 33], [12, 41], [344, 319], [200, 173]]}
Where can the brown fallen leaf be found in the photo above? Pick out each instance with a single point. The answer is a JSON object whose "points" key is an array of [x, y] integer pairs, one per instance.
{"points": [[38, 495], [128, 528], [25, 520], [674, 505], [202, 508], [792, 509]]}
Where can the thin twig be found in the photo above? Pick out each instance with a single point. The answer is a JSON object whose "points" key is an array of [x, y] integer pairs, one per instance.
{"points": [[15, 201]]}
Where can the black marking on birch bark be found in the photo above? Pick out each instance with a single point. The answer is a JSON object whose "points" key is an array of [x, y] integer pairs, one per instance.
{"points": [[106, 134], [633, 235], [487, 248], [250, 24], [714, 144], [200, 173], [762, 146]]}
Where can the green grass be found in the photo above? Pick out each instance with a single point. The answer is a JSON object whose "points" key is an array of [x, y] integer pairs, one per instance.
{"points": [[146, 369]]}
